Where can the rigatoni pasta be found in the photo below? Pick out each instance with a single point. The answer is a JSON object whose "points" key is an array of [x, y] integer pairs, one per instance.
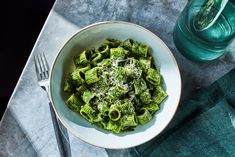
{"points": [[115, 86]]}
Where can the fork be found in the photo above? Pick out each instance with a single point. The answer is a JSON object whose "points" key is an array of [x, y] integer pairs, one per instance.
{"points": [[42, 71]]}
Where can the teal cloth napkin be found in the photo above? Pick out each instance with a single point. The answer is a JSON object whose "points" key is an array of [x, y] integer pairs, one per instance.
{"points": [[203, 125]]}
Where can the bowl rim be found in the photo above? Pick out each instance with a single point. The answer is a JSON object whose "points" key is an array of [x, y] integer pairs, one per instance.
{"points": [[104, 23]]}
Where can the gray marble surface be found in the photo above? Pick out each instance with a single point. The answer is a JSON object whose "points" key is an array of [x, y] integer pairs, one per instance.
{"points": [[26, 129]]}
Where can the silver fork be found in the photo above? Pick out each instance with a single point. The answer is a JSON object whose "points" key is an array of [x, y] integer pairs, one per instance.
{"points": [[42, 70]]}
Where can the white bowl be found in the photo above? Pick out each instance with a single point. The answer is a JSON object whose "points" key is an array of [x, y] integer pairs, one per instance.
{"points": [[92, 36]]}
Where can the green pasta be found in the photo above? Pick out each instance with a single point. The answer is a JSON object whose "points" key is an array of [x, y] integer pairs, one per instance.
{"points": [[103, 108], [144, 116], [118, 52], [96, 58], [78, 76], [145, 63], [87, 112], [152, 107], [87, 96], [115, 86], [105, 63], [119, 74], [117, 91], [74, 103], [84, 58], [127, 44], [104, 50], [83, 69], [69, 85], [114, 113], [140, 86], [127, 107], [128, 121], [159, 95], [140, 50], [153, 77], [113, 126], [91, 76], [112, 42], [80, 90], [145, 97]]}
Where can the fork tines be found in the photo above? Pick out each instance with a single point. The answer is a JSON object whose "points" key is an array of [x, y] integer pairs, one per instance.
{"points": [[41, 65]]}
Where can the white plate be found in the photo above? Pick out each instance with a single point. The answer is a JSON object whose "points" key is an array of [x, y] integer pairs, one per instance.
{"points": [[92, 36]]}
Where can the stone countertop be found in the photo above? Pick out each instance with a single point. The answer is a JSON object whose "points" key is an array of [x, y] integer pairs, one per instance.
{"points": [[26, 128]]}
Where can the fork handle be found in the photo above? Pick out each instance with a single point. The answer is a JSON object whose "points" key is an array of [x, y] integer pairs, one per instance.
{"points": [[57, 131]]}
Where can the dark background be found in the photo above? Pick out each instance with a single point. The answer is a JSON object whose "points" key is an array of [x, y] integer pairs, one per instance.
{"points": [[21, 22]]}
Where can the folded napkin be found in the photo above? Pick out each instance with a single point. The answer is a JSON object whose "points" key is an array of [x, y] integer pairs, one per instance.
{"points": [[203, 126]]}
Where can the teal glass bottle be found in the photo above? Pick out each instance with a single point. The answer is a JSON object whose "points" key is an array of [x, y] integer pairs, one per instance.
{"points": [[205, 28]]}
